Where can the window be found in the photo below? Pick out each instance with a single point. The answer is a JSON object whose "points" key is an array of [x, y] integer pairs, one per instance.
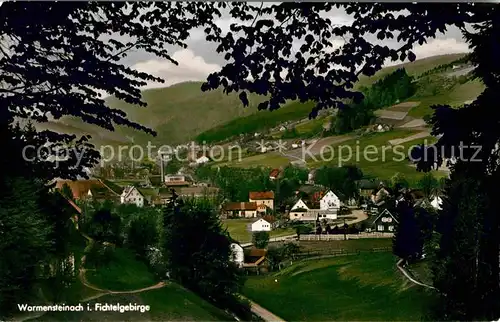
{"points": [[380, 228], [391, 228]]}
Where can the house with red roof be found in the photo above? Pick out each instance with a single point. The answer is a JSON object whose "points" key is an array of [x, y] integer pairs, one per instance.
{"points": [[240, 209], [274, 174], [265, 198]]}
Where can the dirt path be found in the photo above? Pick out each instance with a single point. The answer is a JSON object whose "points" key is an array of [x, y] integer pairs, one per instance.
{"points": [[263, 313], [408, 276], [84, 281], [419, 135], [359, 214]]}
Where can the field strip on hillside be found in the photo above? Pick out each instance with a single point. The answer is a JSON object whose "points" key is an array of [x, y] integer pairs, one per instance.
{"points": [[420, 135], [414, 123]]}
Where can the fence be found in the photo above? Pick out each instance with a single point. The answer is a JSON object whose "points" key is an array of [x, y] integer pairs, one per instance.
{"points": [[341, 236], [315, 255], [339, 252]]}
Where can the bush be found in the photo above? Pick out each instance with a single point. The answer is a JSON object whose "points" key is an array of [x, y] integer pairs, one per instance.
{"points": [[260, 239]]}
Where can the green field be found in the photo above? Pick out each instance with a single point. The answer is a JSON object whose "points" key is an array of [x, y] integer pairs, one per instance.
{"points": [[454, 97], [256, 122], [387, 160], [366, 287], [170, 303], [421, 271], [123, 273], [270, 160], [347, 245], [177, 113], [238, 230], [414, 68]]}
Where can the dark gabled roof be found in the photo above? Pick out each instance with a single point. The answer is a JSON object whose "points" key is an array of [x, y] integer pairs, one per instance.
{"points": [[367, 184], [385, 211]]}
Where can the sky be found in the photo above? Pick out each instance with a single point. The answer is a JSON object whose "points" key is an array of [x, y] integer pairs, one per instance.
{"points": [[200, 58]]}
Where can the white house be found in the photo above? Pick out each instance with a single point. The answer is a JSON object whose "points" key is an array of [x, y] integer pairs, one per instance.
{"points": [[299, 205], [237, 254], [202, 159], [437, 202], [330, 201], [301, 212], [261, 225], [310, 177], [131, 195]]}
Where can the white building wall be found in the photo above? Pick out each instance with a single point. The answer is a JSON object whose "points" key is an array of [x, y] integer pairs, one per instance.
{"points": [[261, 225], [329, 201]]}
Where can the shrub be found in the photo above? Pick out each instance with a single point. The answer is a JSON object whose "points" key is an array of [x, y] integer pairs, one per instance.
{"points": [[260, 239]]}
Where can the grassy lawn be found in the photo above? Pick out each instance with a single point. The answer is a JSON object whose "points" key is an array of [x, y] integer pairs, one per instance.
{"points": [[237, 228], [383, 163], [414, 68], [174, 303], [455, 97], [123, 273], [171, 303], [348, 245], [366, 287], [271, 160], [256, 122], [422, 271]]}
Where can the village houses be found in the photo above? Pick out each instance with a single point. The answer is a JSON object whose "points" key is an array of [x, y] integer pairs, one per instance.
{"points": [[329, 207]]}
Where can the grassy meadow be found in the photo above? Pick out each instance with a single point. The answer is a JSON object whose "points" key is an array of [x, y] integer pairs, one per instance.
{"points": [[365, 287]]}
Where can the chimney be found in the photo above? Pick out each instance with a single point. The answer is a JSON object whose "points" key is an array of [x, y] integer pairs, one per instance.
{"points": [[242, 205]]}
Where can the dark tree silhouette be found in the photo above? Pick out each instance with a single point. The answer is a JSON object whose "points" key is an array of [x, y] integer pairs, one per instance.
{"points": [[57, 58], [408, 241]]}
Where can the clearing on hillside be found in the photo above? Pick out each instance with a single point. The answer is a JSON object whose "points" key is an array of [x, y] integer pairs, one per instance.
{"points": [[366, 287]]}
